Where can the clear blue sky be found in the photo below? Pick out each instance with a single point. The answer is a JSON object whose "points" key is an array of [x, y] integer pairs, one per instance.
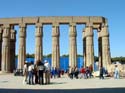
{"points": [[114, 10]]}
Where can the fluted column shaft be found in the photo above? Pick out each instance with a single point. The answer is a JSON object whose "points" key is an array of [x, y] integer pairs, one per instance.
{"points": [[38, 42], [6, 49], [0, 46], [89, 46], [106, 57], [12, 48], [72, 46], [100, 49], [84, 48], [22, 46], [55, 46]]}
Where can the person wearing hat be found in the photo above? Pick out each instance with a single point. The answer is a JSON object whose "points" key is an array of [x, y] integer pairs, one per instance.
{"points": [[47, 72], [25, 72]]}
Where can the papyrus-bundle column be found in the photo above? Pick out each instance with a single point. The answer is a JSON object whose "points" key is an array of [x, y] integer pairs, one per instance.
{"points": [[106, 57], [89, 56], [6, 49], [12, 48], [99, 49], [38, 42], [55, 45], [0, 46], [84, 47], [72, 45], [22, 46]]}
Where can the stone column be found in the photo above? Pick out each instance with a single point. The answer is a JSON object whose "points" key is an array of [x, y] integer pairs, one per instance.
{"points": [[55, 46], [72, 45], [100, 48], [22, 46], [0, 46], [89, 46], [6, 49], [84, 48], [106, 57], [12, 48], [38, 42]]}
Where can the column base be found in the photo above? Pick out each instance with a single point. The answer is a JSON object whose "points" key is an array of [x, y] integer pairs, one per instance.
{"points": [[5, 72]]}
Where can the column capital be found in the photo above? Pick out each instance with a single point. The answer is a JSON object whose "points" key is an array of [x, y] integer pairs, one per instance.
{"points": [[55, 24], [38, 25], [104, 31], [22, 32], [72, 24], [89, 24], [22, 25], [6, 25], [6, 32], [72, 32], [88, 31], [55, 30], [104, 25], [13, 35], [1, 30]]}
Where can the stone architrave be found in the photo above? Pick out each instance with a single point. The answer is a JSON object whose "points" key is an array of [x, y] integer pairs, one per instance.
{"points": [[89, 46], [106, 58], [12, 48], [6, 49], [22, 46], [72, 45], [55, 46], [38, 42]]}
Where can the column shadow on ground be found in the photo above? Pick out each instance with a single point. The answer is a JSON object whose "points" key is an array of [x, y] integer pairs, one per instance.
{"points": [[97, 90]]}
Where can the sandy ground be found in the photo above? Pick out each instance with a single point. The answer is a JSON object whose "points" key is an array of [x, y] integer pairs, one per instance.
{"points": [[13, 84]]}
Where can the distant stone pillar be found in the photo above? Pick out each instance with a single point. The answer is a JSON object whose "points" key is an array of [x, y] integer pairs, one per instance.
{"points": [[84, 48], [106, 57], [38, 42], [0, 46], [12, 48], [6, 49], [55, 46], [89, 46], [22, 46], [99, 49], [72, 45]]}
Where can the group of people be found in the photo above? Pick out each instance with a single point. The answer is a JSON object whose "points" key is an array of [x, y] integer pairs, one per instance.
{"points": [[38, 73], [82, 73], [41, 72], [87, 72], [104, 72], [56, 72]]}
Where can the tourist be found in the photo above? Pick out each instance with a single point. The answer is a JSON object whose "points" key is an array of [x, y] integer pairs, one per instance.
{"points": [[30, 73], [116, 72], [90, 71], [47, 72], [101, 73], [36, 73], [41, 70], [25, 72], [87, 72], [82, 73], [76, 72], [71, 72]]}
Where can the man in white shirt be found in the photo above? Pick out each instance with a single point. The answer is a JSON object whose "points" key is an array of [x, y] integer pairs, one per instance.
{"points": [[47, 72], [25, 72], [30, 73]]}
